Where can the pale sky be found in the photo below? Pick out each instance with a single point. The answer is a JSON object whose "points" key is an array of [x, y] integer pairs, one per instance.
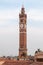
{"points": [[9, 26]]}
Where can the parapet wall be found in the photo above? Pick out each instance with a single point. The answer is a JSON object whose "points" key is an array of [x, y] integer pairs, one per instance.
{"points": [[21, 62]]}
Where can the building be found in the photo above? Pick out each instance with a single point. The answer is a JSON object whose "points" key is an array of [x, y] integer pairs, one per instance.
{"points": [[39, 56], [22, 34]]}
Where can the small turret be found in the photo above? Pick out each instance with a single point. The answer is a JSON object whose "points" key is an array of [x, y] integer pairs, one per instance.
{"points": [[23, 10]]}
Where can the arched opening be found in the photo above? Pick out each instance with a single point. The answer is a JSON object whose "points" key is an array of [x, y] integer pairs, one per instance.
{"points": [[23, 54], [40, 60]]}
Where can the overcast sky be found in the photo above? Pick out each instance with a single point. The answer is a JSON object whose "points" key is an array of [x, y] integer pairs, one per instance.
{"points": [[9, 26]]}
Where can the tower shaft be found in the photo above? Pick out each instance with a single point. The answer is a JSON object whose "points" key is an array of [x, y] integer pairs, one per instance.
{"points": [[22, 34]]}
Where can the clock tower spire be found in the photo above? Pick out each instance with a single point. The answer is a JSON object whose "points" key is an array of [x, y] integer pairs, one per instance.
{"points": [[22, 34]]}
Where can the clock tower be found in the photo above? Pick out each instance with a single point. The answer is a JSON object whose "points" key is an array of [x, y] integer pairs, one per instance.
{"points": [[22, 34]]}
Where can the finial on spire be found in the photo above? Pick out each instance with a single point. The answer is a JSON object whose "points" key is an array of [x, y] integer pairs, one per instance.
{"points": [[22, 6]]}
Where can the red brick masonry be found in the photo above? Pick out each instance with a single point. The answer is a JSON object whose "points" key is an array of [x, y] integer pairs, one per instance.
{"points": [[16, 62]]}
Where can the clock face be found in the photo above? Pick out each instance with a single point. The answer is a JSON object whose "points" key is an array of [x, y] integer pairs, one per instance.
{"points": [[22, 26]]}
